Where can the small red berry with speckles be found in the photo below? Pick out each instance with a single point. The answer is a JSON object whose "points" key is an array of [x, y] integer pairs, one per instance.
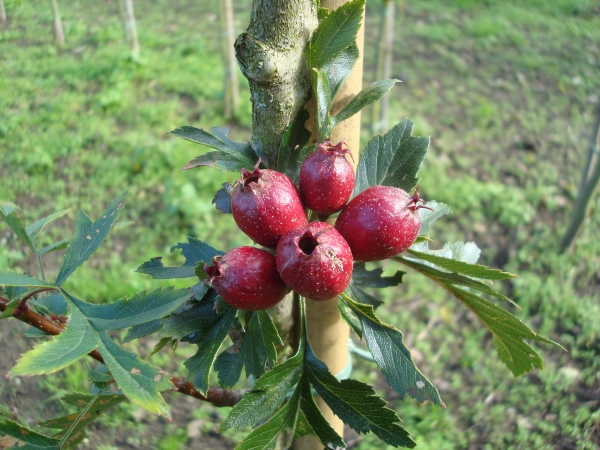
{"points": [[247, 278], [315, 261], [380, 222]]}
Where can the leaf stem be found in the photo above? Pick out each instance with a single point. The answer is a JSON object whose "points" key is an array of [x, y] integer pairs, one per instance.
{"points": [[39, 261], [215, 395]]}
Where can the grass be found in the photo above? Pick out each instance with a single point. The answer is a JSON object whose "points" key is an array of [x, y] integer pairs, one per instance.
{"points": [[506, 89]]}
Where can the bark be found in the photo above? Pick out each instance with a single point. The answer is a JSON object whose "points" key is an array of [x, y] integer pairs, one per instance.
{"points": [[59, 36], [270, 54], [231, 83]]}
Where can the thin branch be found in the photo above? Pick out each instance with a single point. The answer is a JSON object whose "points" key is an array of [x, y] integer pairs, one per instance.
{"points": [[22, 307], [215, 395]]}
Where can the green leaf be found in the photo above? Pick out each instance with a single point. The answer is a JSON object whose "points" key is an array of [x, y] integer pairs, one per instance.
{"points": [[194, 251], [340, 67], [88, 237], [334, 34], [267, 395], [196, 317], [32, 439], [15, 279], [373, 278], [457, 266], [387, 347], [139, 381], [350, 318], [356, 404], [34, 229], [324, 100], [200, 364], [231, 156], [76, 341], [365, 97], [140, 308], [393, 159], [295, 137], [53, 247], [508, 331], [143, 329], [428, 217], [8, 211], [228, 366], [222, 199], [355, 292], [259, 347]]}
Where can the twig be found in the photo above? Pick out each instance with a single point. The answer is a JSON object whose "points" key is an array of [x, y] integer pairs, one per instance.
{"points": [[22, 307], [215, 395]]}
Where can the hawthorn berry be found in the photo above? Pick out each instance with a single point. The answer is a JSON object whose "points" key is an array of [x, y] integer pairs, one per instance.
{"points": [[315, 261], [380, 222], [247, 278], [327, 178], [265, 205]]}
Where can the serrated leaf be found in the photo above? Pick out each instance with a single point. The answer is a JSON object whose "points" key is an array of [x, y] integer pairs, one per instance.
{"points": [[428, 217], [355, 292], [229, 368], [365, 97], [200, 364], [34, 229], [33, 332], [356, 404], [222, 199], [143, 329], [393, 159], [231, 156], [260, 341], [387, 347], [138, 380], [267, 395], [8, 211], [340, 67], [140, 308], [350, 318], [76, 341], [373, 278], [508, 332], [194, 317], [460, 267], [32, 439], [102, 375], [295, 137], [335, 32], [194, 251], [88, 236], [16, 279], [324, 100], [53, 247]]}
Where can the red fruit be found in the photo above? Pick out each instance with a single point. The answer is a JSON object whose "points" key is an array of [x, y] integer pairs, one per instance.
{"points": [[265, 205], [247, 278], [315, 261], [380, 222], [326, 179]]}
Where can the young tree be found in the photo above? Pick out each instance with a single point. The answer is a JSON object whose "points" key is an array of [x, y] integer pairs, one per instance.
{"points": [[304, 68]]}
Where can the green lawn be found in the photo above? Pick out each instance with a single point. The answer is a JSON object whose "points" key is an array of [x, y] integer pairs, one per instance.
{"points": [[506, 89]]}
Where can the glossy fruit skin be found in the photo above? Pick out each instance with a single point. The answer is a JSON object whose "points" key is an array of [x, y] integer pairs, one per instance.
{"points": [[247, 278], [265, 205], [326, 179], [315, 261], [380, 222]]}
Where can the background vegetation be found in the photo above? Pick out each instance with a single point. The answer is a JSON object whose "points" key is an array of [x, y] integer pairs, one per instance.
{"points": [[507, 91]]}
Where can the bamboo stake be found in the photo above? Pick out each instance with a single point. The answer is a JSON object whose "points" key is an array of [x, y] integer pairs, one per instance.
{"points": [[387, 61], [2, 12], [231, 84], [135, 45], [327, 333], [59, 36]]}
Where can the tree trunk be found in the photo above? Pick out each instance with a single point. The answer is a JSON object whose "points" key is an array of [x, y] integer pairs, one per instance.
{"points": [[130, 24], [231, 83], [59, 36], [270, 55], [2, 12]]}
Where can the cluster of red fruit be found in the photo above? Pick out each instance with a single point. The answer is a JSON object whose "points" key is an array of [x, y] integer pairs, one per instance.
{"points": [[314, 259]]}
